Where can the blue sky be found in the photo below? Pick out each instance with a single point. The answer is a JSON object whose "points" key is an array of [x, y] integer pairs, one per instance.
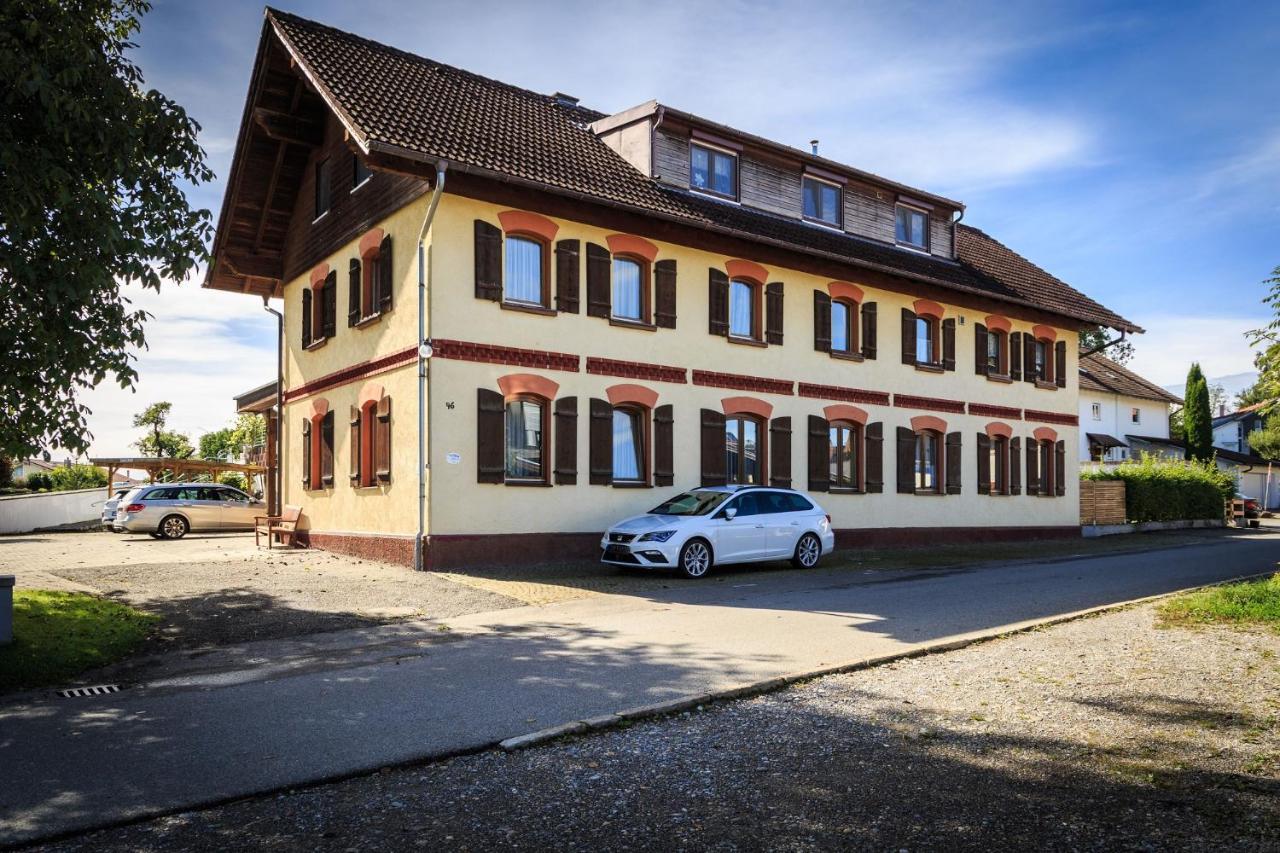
{"points": [[1132, 150]]}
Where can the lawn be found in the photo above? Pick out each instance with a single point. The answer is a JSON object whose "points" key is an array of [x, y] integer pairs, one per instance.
{"points": [[1254, 602], [57, 635]]}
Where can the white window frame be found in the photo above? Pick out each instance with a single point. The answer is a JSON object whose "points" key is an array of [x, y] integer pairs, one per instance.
{"points": [[928, 227], [1096, 409], [737, 170], [839, 223], [1135, 415]]}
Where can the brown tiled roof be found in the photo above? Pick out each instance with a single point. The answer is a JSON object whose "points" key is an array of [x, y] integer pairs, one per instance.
{"points": [[1098, 373], [395, 102]]}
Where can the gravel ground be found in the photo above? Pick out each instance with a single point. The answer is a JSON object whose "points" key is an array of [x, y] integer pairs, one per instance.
{"points": [[1103, 733], [221, 589]]}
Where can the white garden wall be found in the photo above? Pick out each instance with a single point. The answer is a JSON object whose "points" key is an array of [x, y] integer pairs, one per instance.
{"points": [[25, 513]]}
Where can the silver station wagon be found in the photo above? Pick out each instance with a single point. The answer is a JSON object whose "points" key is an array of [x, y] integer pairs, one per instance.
{"points": [[170, 510]]}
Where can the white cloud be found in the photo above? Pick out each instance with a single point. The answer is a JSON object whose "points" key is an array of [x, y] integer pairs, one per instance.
{"points": [[204, 347], [1173, 341]]}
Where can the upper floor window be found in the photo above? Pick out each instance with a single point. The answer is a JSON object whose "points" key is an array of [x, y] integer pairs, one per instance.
{"points": [[524, 272], [360, 171], [1041, 364], [1135, 415], [822, 201], [743, 462], [912, 227], [926, 340], [525, 449], [713, 170], [1095, 409], [322, 188], [995, 351], [628, 290], [742, 309], [843, 333]]}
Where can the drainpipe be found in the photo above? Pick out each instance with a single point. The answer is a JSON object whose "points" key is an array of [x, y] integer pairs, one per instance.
{"points": [[424, 352], [275, 474], [954, 252]]}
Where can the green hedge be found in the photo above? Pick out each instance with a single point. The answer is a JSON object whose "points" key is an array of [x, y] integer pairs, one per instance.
{"points": [[1158, 489]]}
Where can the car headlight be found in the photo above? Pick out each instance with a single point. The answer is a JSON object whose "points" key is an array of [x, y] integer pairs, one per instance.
{"points": [[658, 536]]}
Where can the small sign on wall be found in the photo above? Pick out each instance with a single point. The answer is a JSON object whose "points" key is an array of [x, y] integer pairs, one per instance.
{"points": [[453, 458]]}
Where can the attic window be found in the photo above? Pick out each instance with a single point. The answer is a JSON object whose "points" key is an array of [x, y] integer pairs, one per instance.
{"points": [[822, 201], [912, 228], [322, 188], [714, 171]]}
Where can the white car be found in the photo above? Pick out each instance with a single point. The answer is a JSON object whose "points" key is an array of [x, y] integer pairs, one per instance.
{"points": [[719, 525]]}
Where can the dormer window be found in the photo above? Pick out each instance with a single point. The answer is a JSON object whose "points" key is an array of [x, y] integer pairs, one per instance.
{"points": [[714, 171], [912, 227], [822, 201]]}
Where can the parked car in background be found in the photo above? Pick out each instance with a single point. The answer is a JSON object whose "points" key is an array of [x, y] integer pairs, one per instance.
{"points": [[171, 510], [721, 525], [110, 504], [1251, 506]]}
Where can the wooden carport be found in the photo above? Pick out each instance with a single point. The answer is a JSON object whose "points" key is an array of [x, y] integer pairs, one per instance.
{"points": [[181, 469]]}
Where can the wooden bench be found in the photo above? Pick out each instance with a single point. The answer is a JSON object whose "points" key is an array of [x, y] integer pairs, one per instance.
{"points": [[280, 527]]}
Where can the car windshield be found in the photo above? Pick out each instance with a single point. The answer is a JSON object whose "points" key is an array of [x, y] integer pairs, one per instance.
{"points": [[691, 503]]}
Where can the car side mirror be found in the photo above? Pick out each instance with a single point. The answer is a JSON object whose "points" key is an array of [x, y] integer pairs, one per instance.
{"points": [[730, 513]]}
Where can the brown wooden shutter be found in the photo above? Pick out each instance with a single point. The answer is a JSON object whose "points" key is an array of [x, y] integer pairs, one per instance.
{"points": [[868, 312], [949, 344], [385, 284], [714, 465], [488, 263], [382, 440], [873, 458], [780, 452], [306, 317], [984, 464], [1013, 466], [566, 438], [330, 308], [979, 349], [718, 303], [908, 339], [664, 294], [600, 443], [326, 449], [1015, 356], [663, 445], [773, 303], [306, 453], [355, 446], [1060, 363], [819, 454], [491, 414], [568, 269], [353, 292], [1029, 359], [1060, 468], [821, 321], [954, 449], [906, 461], [599, 295], [1033, 462]]}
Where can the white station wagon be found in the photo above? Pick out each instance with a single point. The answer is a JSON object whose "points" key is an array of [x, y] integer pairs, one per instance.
{"points": [[720, 525]]}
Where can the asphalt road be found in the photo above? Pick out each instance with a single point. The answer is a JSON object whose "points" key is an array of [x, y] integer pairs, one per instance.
{"points": [[274, 721]]}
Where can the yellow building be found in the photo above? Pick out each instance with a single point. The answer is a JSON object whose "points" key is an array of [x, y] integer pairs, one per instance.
{"points": [[618, 307]]}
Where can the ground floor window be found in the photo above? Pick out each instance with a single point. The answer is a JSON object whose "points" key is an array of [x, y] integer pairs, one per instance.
{"points": [[928, 454], [844, 458], [743, 457], [525, 428], [999, 465], [628, 445], [1046, 467]]}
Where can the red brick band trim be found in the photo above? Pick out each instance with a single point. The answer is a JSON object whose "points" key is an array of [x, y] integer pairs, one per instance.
{"points": [[907, 401], [492, 354], [383, 547], [988, 411], [849, 395], [635, 370], [743, 383], [350, 374], [1052, 417]]}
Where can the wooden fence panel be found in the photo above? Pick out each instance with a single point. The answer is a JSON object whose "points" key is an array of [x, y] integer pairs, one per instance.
{"points": [[1102, 502]]}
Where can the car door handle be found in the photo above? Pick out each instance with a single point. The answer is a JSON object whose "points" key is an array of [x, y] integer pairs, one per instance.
{"points": [[759, 527], [795, 524]]}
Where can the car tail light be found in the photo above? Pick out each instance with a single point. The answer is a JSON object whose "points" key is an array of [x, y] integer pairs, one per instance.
{"points": [[135, 507]]}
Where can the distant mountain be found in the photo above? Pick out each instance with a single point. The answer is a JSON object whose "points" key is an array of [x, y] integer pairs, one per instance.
{"points": [[1233, 384]]}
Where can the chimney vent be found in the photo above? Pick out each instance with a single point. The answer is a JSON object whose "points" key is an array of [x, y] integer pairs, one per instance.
{"points": [[813, 144], [564, 100]]}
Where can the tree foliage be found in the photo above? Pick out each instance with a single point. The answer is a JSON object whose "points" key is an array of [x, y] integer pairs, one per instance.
{"points": [[1265, 442], [160, 441], [230, 442], [1197, 420], [92, 166], [1097, 336], [1267, 359], [67, 477]]}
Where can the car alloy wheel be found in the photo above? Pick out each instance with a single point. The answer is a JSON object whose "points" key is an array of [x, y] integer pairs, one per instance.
{"points": [[695, 559], [808, 550], [173, 527]]}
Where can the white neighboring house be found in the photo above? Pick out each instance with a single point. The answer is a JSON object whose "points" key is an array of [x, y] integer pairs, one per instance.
{"points": [[27, 467], [1117, 405]]}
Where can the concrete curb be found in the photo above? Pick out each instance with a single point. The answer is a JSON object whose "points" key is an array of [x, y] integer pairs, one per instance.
{"points": [[771, 685]]}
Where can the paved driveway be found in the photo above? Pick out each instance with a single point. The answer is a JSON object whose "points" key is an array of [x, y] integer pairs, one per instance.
{"points": [[211, 736]]}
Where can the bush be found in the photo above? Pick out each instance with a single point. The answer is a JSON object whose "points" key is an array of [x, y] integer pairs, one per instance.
{"points": [[67, 477], [1158, 489], [39, 482], [233, 479]]}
